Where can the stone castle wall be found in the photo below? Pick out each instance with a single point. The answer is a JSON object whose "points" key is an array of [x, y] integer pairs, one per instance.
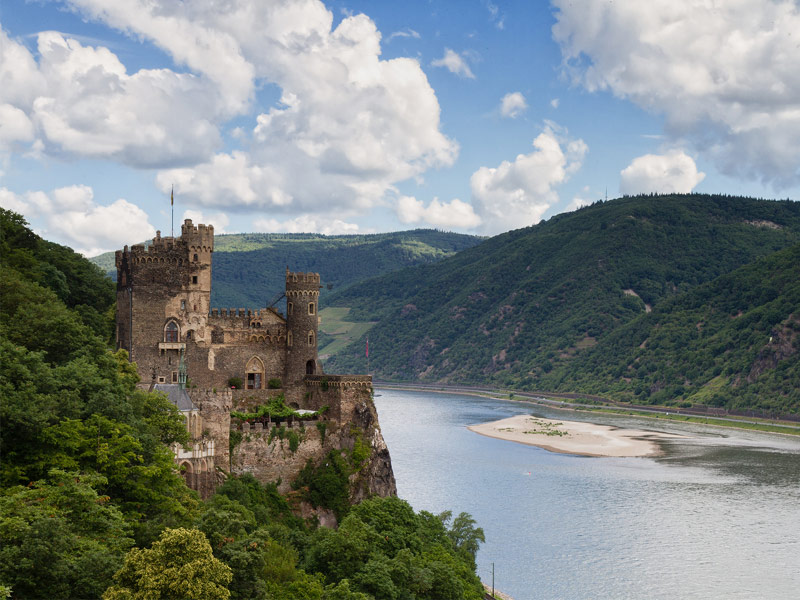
{"points": [[165, 320]]}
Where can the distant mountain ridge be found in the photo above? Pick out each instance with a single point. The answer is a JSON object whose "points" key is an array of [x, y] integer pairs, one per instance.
{"points": [[248, 268], [546, 306]]}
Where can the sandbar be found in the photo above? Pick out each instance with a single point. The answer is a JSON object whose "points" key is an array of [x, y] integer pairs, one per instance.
{"points": [[574, 437]]}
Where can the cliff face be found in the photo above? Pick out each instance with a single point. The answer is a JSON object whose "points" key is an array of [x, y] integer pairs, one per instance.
{"points": [[279, 453]]}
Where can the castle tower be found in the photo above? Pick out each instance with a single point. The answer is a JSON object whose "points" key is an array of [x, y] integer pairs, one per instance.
{"points": [[302, 321], [163, 298]]}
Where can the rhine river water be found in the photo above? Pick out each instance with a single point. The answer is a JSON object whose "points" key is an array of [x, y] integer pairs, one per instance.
{"points": [[716, 516]]}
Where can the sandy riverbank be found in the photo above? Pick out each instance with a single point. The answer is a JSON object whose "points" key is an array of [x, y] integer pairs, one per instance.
{"points": [[573, 437]]}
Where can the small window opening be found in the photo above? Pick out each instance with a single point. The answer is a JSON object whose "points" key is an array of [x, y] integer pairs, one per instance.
{"points": [[310, 338], [312, 308], [195, 258], [289, 339], [162, 380], [174, 377], [189, 334], [183, 304], [254, 381], [289, 308], [194, 278]]}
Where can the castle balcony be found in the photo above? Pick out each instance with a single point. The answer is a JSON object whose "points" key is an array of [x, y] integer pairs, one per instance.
{"points": [[203, 449], [172, 345]]}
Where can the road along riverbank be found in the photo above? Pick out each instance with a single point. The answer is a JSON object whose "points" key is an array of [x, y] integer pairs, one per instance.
{"points": [[573, 437]]}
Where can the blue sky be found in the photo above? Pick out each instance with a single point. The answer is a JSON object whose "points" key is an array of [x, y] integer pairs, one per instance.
{"points": [[356, 117]]}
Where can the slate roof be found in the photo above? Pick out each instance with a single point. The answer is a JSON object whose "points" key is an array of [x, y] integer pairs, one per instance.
{"points": [[177, 395]]}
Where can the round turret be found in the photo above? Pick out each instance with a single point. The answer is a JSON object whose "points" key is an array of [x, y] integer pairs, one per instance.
{"points": [[302, 321]]}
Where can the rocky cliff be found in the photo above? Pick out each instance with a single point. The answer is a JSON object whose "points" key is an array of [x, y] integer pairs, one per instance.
{"points": [[347, 433]]}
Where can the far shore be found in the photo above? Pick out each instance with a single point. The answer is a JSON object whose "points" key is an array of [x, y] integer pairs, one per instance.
{"points": [[574, 437]]}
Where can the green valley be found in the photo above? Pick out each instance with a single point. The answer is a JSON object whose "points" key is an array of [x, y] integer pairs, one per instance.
{"points": [[555, 306]]}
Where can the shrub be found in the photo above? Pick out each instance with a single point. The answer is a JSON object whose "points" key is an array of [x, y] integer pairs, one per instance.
{"points": [[294, 441], [274, 384], [235, 382]]}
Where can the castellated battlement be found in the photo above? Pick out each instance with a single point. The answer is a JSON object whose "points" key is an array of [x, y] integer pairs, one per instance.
{"points": [[198, 236], [194, 242], [258, 314], [339, 381], [246, 325], [302, 281]]}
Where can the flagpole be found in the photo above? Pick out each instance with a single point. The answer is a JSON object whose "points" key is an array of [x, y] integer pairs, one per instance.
{"points": [[172, 210], [367, 356]]}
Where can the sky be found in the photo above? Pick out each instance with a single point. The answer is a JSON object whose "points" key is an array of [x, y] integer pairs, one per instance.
{"points": [[350, 116]]}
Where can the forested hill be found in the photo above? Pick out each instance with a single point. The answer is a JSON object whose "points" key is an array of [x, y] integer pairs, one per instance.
{"points": [[91, 504], [526, 308], [249, 268]]}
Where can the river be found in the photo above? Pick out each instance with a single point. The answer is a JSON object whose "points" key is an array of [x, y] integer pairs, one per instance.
{"points": [[716, 516]]}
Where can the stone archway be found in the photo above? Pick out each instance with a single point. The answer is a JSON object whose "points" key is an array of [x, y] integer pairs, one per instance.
{"points": [[254, 374], [311, 367], [187, 472]]}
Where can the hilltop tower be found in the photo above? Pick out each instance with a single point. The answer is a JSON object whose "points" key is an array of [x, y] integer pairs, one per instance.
{"points": [[302, 322], [163, 297]]}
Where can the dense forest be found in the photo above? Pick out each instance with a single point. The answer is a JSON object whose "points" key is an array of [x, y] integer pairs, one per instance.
{"points": [[622, 298], [249, 268], [91, 504]]}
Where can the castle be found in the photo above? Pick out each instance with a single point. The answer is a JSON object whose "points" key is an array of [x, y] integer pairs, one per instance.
{"points": [[210, 361]]}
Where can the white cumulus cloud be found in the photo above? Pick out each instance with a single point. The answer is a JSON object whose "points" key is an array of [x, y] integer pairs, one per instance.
{"points": [[513, 105], [77, 100], [307, 224], [454, 214], [674, 172], [516, 194], [455, 63], [348, 126], [73, 218], [724, 74]]}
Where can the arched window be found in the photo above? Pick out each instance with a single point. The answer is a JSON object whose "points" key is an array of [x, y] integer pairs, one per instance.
{"points": [[195, 258], [310, 367], [310, 338], [255, 373], [171, 332], [312, 308]]}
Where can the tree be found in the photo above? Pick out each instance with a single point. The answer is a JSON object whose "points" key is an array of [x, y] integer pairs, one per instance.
{"points": [[59, 536], [465, 536], [179, 566]]}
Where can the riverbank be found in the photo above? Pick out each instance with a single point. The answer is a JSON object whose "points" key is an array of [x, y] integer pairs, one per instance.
{"points": [[574, 437], [654, 412]]}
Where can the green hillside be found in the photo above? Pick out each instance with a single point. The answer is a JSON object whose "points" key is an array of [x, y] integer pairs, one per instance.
{"points": [[732, 342], [528, 307], [249, 268]]}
